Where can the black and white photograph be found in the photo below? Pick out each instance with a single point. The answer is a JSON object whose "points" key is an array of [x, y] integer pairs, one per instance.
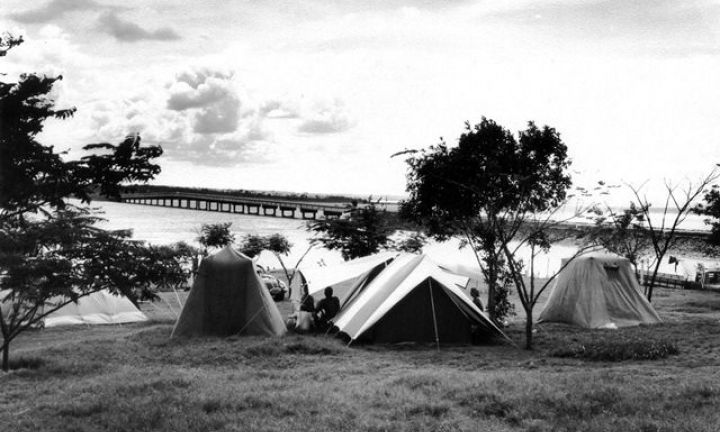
{"points": [[336, 215]]}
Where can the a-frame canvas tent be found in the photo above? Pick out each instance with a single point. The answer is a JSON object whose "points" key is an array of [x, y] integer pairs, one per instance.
{"points": [[598, 290], [345, 279], [100, 307], [413, 300], [228, 298]]}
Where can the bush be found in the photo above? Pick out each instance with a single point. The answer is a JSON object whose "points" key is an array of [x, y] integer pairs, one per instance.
{"points": [[618, 350]]}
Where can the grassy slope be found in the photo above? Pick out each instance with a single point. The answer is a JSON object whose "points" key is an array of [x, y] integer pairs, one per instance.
{"points": [[133, 378]]}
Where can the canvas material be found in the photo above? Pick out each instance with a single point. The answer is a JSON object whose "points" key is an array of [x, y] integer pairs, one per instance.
{"points": [[227, 298], [598, 291]]}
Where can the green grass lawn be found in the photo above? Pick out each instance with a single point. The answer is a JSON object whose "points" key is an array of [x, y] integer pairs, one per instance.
{"points": [[134, 378]]}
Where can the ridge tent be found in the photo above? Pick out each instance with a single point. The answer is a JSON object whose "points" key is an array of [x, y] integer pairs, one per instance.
{"points": [[413, 300], [228, 297], [100, 307], [598, 290], [345, 278]]}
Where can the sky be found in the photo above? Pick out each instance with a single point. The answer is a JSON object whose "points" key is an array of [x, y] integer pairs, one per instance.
{"points": [[316, 96]]}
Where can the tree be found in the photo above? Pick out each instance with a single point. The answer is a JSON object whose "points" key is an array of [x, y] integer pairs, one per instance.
{"points": [[51, 253], [478, 189], [364, 233], [623, 233], [253, 244], [280, 246], [711, 209], [662, 228], [216, 235], [413, 243]]}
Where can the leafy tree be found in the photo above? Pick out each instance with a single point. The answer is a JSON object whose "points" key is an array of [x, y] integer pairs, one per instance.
{"points": [[364, 233], [623, 233], [413, 243], [711, 209], [481, 188], [279, 245], [253, 244], [216, 235], [51, 253]]}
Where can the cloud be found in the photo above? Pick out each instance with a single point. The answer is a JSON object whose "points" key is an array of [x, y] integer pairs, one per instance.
{"points": [[128, 31], [659, 25], [53, 10], [326, 119], [213, 98]]}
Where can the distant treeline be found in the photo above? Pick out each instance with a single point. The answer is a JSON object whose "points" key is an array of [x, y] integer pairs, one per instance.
{"points": [[309, 197]]}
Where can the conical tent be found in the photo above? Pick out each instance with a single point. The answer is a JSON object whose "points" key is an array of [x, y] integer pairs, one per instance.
{"points": [[227, 298], [100, 307], [598, 290], [413, 300]]}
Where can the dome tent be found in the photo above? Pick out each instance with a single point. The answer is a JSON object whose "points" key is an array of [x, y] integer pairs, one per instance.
{"points": [[598, 290], [228, 297], [100, 307]]}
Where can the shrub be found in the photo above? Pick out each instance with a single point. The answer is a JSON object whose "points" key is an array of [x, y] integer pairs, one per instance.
{"points": [[618, 350]]}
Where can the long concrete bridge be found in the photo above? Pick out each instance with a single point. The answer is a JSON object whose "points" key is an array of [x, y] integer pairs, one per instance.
{"points": [[239, 205]]}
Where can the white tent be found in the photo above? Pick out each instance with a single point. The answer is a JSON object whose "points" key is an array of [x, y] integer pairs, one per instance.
{"points": [[413, 300], [342, 277], [100, 307], [598, 290]]}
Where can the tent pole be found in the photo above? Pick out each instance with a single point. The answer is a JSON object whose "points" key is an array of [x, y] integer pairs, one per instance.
{"points": [[432, 305]]}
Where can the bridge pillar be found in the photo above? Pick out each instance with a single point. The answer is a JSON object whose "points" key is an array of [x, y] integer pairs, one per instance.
{"points": [[331, 214], [306, 213], [253, 209], [269, 210], [235, 208], [287, 212]]}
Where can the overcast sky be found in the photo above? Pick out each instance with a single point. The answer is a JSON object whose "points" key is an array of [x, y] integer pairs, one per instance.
{"points": [[316, 96]]}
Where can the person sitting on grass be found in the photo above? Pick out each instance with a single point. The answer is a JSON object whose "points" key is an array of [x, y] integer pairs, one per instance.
{"points": [[307, 302], [301, 321], [475, 294], [326, 309]]}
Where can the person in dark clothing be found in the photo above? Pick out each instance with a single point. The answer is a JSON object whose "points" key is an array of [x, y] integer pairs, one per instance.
{"points": [[475, 294], [326, 309], [307, 302]]}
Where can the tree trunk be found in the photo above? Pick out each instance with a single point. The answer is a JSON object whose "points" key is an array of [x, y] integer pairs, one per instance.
{"points": [[528, 329], [492, 284], [6, 357], [651, 285]]}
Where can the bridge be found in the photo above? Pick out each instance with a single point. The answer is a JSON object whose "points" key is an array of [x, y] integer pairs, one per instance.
{"points": [[239, 205]]}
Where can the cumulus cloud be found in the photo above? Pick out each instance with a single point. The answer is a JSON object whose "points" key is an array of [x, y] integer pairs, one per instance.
{"points": [[326, 118], [128, 31], [54, 10], [212, 97]]}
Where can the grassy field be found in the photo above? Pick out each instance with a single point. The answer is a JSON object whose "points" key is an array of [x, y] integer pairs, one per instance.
{"points": [[134, 378]]}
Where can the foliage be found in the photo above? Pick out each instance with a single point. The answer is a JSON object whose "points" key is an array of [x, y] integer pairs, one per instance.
{"points": [[678, 204], [413, 243], [216, 235], [50, 259], [613, 349], [252, 245], [364, 233], [483, 189], [622, 233], [711, 209]]}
